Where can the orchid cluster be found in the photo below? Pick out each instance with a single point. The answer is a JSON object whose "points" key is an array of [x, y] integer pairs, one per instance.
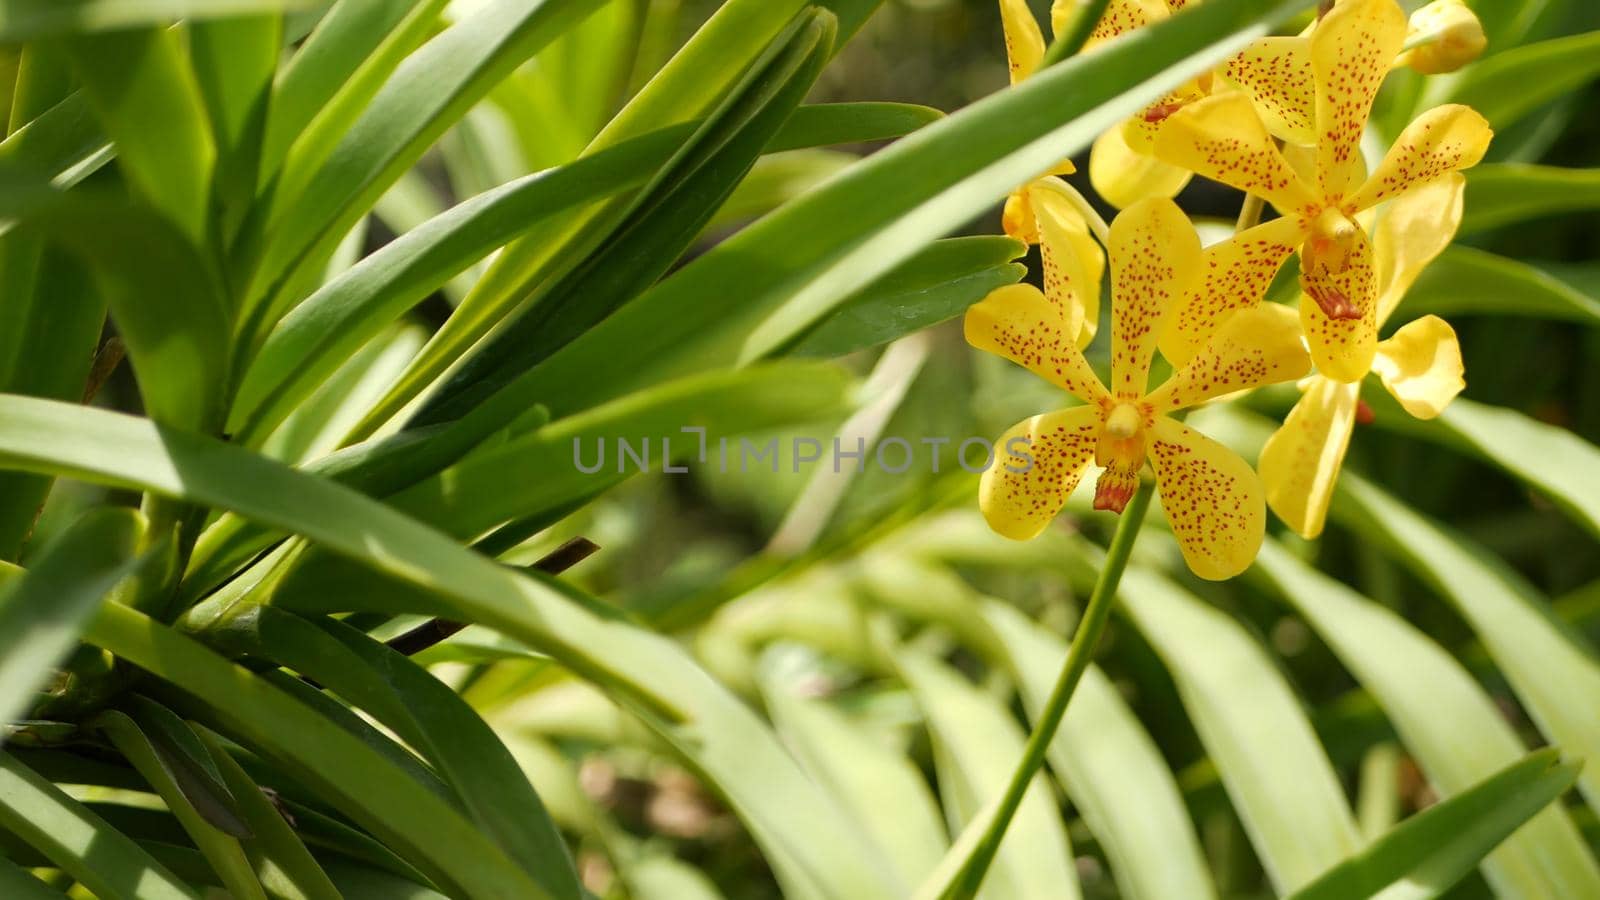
{"points": [[1283, 121]]}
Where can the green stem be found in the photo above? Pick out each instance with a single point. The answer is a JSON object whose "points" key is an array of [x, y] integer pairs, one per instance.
{"points": [[1076, 34], [1084, 642], [1249, 213]]}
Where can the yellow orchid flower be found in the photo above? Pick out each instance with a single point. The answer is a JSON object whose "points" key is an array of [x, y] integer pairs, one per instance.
{"points": [[1275, 73], [1224, 139], [1024, 49], [1213, 499], [1420, 365]]}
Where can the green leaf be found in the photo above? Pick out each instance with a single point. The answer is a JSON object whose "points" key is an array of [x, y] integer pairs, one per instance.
{"points": [[427, 93], [1450, 724], [1468, 281], [62, 145], [883, 789], [815, 851], [16, 883], [1547, 458], [541, 471], [774, 180], [30, 19], [1426, 854], [221, 850], [1552, 670], [148, 100], [78, 842], [50, 322], [276, 851], [1110, 767], [977, 744], [344, 314], [432, 833], [353, 49], [43, 610], [1275, 770], [826, 124], [656, 229], [164, 296], [936, 285], [235, 60], [1509, 85], [795, 266], [1500, 194], [426, 713]]}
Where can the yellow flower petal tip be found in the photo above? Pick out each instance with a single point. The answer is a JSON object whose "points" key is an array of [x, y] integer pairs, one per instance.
{"points": [[1038, 463], [1421, 366], [1443, 36], [1213, 500], [1024, 41], [1300, 463], [1123, 176]]}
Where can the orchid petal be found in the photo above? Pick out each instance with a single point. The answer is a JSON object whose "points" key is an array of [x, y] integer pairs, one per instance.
{"points": [[1223, 139], [1073, 263], [1123, 176], [1024, 41], [1415, 228], [1339, 312], [1253, 348], [1442, 140], [1018, 323], [1155, 257], [1213, 500], [1352, 49], [1235, 274], [1275, 73], [1029, 482], [1300, 462], [1421, 366]]}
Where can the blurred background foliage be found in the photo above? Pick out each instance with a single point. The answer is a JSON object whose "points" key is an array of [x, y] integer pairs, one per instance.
{"points": [[873, 618]]}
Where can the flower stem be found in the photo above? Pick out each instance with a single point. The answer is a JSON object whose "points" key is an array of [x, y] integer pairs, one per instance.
{"points": [[1084, 641], [1249, 213]]}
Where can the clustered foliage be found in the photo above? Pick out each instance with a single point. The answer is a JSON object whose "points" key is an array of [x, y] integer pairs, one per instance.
{"points": [[309, 310]]}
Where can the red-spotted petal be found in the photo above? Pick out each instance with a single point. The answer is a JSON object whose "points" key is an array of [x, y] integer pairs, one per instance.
{"points": [[1442, 140], [1339, 312], [1352, 49], [1235, 274], [1155, 257], [1223, 139], [1038, 463], [1254, 347], [1300, 462], [1213, 500], [1275, 73], [1018, 323]]}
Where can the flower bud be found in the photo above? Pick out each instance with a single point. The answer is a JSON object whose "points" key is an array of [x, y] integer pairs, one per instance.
{"points": [[1443, 36]]}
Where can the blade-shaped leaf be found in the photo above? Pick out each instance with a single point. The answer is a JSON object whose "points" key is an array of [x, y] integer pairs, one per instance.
{"points": [[1509, 85], [1468, 281], [276, 850], [79, 842], [424, 712], [1507, 193], [978, 745], [431, 832], [43, 610], [795, 266], [148, 100], [813, 848], [1445, 719], [221, 850], [1111, 768], [1550, 667], [1550, 459], [1426, 854], [880, 787], [30, 19], [1275, 770]]}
